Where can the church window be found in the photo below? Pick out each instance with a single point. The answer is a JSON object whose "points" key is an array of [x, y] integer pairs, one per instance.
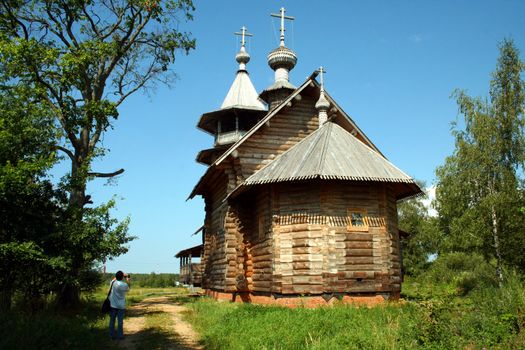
{"points": [[358, 220]]}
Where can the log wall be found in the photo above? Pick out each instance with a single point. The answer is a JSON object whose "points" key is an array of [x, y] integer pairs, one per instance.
{"points": [[283, 131], [215, 260], [316, 249], [238, 253], [296, 238]]}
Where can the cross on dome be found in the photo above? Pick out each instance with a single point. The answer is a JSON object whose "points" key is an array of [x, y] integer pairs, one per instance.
{"points": [[243, 57], [321, 71], [322, 104], [282, 17], [243, 34]]}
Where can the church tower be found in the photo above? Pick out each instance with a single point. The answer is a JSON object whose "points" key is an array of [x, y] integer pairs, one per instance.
{"points": [[239, 112]]}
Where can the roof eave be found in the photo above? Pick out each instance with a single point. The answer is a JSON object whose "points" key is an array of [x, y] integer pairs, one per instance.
{"points": [[415, 189]]}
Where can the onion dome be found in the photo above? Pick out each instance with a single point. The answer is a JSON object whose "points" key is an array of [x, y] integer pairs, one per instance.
{"points": [[281, 60], [242, 93], [282, 57], [242, 58], [322, 103]]}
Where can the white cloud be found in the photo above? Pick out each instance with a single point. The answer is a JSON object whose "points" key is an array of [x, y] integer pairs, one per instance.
{"points": [[416, 38]]}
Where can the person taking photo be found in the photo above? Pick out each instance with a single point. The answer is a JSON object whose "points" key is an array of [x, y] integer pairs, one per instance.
{"points": [[117, 299]]}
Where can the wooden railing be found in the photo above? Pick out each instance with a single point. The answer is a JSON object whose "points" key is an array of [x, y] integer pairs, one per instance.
{"points": [[228, 137]]}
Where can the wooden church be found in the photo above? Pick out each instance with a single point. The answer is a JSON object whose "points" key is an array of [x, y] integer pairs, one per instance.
{"points": [[300, 204]]}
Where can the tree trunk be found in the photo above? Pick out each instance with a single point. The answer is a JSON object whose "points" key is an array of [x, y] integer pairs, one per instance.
{"points": [[78, 180], [6, 295], [69, 294], [497, 247]]}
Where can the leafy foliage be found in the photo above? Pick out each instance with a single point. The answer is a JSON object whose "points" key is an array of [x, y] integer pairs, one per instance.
{"points": [[478, 193], [29, 206], [38, 242], [75, 62], [423, 235]]}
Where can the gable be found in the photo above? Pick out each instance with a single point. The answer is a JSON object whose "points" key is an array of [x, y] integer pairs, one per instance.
{"points": [[282, 132], [310, 86]]}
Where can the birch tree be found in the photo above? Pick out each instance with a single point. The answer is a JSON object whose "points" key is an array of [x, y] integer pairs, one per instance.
{"points": [[479, 192]]}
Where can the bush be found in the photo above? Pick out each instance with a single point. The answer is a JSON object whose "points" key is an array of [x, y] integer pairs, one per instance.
{"points": [[487, 317], [462, 271]]}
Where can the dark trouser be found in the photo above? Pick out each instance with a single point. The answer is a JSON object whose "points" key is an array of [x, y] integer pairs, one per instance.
{"points": [[119, 315]]}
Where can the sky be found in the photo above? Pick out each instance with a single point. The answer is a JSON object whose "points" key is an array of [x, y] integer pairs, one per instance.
{"points": [[391, 65]]}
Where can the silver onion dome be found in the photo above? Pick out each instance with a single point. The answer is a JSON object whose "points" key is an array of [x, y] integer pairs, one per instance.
{"points": [[282, 57], [322, 103], [242, 56]]}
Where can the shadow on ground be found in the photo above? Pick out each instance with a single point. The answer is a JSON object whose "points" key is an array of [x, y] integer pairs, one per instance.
{"points": [[148, 325], [153, 338]]}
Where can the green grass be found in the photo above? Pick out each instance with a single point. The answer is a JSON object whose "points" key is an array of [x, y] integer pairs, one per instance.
{"points": [[435, 316], [245, 326], [87, 329], [48, 330]]}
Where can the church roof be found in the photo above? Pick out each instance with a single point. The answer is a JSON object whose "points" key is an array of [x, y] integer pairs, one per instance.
{"points": [[331, 153], [310, 80], [242, 94], [344, 119]]}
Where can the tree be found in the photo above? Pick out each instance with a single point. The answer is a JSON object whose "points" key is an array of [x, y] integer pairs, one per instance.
{"points": [[478, 193], [86, 58], [27, 208], [423, 234], [37, 247]]}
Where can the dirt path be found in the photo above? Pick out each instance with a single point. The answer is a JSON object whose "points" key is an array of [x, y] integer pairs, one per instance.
{"points": [[179, 335]]}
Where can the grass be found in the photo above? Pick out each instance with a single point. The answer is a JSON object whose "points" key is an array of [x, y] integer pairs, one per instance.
{"points": [[245, 326], [48, 330], [88, 329], [434, 316]]}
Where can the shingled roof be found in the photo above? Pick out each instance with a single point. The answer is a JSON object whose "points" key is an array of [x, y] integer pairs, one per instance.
{"points": [[242, 94], [331, 153]]}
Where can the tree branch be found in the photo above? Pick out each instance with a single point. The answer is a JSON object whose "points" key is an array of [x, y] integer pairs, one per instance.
{"points": [[91, 21], [146, 77], [15, 21], [70, 19], [128, 40], [118, 172], [96, 136], [66, 151]]}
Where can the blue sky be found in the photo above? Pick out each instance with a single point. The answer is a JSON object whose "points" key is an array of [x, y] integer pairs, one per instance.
{"points": [[391, 65]]}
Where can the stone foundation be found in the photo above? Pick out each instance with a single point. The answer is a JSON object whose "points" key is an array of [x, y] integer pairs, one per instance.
{"points": [[292, 301]]}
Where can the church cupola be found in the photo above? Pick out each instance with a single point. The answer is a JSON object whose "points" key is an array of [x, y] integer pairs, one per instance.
{"points": [[281, 60], [242, 93], [239, 112], [322, 105]]}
